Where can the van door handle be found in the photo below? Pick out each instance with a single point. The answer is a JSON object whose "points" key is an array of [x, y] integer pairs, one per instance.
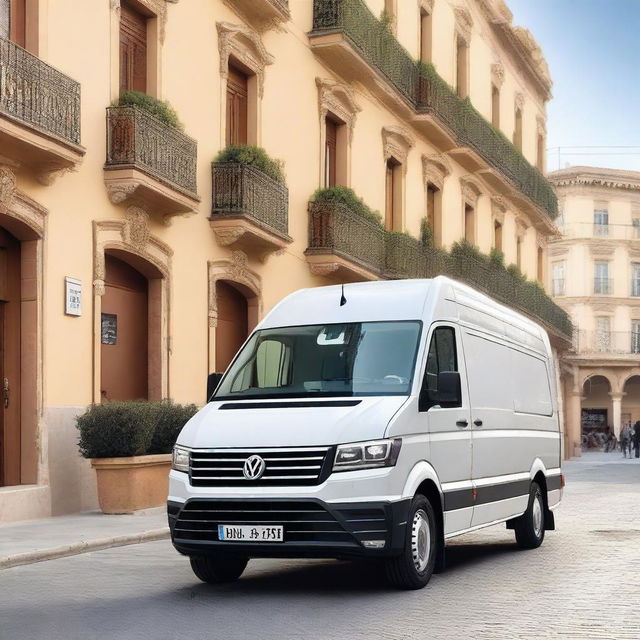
{"points": [[477, 422], [462, 423]]}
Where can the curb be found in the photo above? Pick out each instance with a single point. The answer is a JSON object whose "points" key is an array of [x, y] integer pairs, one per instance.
{"points": [[39, 555]]}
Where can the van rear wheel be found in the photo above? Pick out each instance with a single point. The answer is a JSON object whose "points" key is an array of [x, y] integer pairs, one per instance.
{"points": [[218, 568], [529, 527], [413, 568]]}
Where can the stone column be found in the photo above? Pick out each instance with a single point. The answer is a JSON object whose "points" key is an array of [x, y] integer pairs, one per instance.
{"points": [[574, 426], [616, 400]]}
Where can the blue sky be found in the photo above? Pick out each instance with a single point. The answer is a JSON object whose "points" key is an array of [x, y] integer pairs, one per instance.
{"points": [[593, 51]]}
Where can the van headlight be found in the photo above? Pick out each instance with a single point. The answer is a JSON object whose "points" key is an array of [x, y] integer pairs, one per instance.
{"points": [[180, 461], [367, 455]]}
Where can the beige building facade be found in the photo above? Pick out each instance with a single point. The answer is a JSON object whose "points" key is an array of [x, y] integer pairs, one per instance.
{"points": [[594, 273], [131, 266]]}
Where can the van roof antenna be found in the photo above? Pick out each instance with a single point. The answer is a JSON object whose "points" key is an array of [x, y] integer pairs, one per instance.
{"points": [[343, 300]]}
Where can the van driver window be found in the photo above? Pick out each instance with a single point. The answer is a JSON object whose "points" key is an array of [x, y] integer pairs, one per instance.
{"points": [[442, 356]]}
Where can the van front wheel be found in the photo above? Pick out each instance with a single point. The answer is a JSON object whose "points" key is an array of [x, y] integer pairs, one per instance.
{"points": [[413, 568], [218, 568], [529, 527]]}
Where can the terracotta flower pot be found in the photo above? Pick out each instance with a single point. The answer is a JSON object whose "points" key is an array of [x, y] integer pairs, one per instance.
{"points": [[129, 484]]}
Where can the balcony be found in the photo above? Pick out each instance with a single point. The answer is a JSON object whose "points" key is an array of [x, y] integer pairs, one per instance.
{"points": [[262, 14], [608, 344], [344, 244], [350, 39], [588, 230], [249, 210], [602, 286], [39, 114], [149, 162], [405, 256]]}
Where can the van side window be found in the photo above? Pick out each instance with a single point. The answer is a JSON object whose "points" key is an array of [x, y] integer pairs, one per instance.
{"points": [[442, 357], [268, 368]]}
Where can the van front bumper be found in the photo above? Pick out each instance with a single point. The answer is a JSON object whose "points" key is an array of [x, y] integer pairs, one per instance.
{"points": [[312, 528]]}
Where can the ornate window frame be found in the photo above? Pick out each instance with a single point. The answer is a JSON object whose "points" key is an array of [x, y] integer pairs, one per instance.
{"points": [[246, 47], [156, 30], [397, 143], [470, 192], [133, 237], [337, 99], [435, 169]]}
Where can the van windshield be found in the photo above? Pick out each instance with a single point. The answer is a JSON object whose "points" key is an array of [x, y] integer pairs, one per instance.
{"points": [[356, 359]]}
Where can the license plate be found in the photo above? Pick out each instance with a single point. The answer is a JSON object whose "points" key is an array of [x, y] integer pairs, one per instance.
{"points": [[250, 533]]}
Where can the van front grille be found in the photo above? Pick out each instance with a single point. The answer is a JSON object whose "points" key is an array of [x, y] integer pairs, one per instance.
{"points": [[285, 466]]}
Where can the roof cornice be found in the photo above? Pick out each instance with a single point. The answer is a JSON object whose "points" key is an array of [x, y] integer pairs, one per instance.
{"points": [[596, 176]]}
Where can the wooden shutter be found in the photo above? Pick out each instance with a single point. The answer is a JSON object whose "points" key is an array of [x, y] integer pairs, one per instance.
{"points": [[237, 101], [133, 50], [390, 196], [331, 149], [12, 21]]}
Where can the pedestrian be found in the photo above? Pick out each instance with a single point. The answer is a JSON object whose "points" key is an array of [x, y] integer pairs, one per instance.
{"points": [[625, 440], [636, 438]]}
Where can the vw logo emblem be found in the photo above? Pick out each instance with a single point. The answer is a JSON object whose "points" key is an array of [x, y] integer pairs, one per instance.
{"points": [[254, 467]]}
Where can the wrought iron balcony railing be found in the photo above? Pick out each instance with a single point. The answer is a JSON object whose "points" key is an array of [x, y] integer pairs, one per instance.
{"points": [[607, 342], [244, 191], [405, 256], [603, 286], [139, 140], [35, 94], [334, 228], [610, 231], [427, 92]]}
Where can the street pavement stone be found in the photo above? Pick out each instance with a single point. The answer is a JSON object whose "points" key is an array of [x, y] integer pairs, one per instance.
{"points": [[584, 582]]}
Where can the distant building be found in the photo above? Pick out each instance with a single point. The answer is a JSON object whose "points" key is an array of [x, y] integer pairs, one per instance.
{"points": [[594, 274], [136, 267]]}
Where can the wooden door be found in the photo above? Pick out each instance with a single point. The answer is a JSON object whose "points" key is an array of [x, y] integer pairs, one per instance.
{"points": [[237, 107], [13, 21], [124, 333], [232, 328], [133, 50], [10, 431]]}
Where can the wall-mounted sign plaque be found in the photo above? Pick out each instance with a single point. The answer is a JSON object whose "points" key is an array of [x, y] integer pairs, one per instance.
{"points": [[72, 296]]}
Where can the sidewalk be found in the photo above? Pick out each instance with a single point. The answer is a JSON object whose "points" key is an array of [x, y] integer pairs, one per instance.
{"points": [[37, 540]]}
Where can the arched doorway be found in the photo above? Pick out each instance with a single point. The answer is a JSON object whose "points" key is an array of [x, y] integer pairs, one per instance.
{"points": [[233, 322], [631, 401], [10, 358], [596, 415], [130, 328]]}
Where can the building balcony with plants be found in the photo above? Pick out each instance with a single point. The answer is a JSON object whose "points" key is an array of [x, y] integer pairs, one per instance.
{"points": [[150, 160], [39, 114], [359, 46], [347, 241], [250, 201]]}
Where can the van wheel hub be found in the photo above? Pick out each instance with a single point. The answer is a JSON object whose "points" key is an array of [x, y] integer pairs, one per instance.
{"points": [[537, 515], [420, 540]]}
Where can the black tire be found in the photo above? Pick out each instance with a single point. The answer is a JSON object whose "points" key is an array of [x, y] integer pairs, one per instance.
{"points": [[412, 570], [529, 527], [218, 568]]}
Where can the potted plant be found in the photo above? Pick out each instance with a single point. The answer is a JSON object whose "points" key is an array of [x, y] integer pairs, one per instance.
{"points": [[129, 445]]}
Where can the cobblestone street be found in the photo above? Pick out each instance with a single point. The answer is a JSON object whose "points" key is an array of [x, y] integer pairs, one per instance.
{"points": [[584, 582]]}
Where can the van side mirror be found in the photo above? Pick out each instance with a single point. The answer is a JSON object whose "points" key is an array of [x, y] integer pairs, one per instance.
{"points": [[213, 380], [449, 393]]}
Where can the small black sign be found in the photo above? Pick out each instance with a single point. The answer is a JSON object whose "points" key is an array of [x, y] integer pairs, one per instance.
{"points": [[109, 328]]}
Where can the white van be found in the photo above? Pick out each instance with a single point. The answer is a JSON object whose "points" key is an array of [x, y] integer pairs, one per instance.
{"points": [[376, 420]]}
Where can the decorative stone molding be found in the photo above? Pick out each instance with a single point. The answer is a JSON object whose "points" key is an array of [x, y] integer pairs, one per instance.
{"points": [[557, 252], [157, 7], [396, 143], [464, 23], [497, 74], [603, 248], [496, 11], [522, 225], [426, 5], [519, 100], [541, 124], [246, 46], [323, 269], [136, 229], [594, 176], [131, 236], [498, 208], [532, 50], [471, 191], [118, 192], [234, 269], [337, 98], [435, 168], [7, 186], [602, 308]]}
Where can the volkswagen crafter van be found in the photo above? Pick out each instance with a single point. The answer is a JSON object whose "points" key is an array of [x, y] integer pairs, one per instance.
{"points": [[377, 422]]}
